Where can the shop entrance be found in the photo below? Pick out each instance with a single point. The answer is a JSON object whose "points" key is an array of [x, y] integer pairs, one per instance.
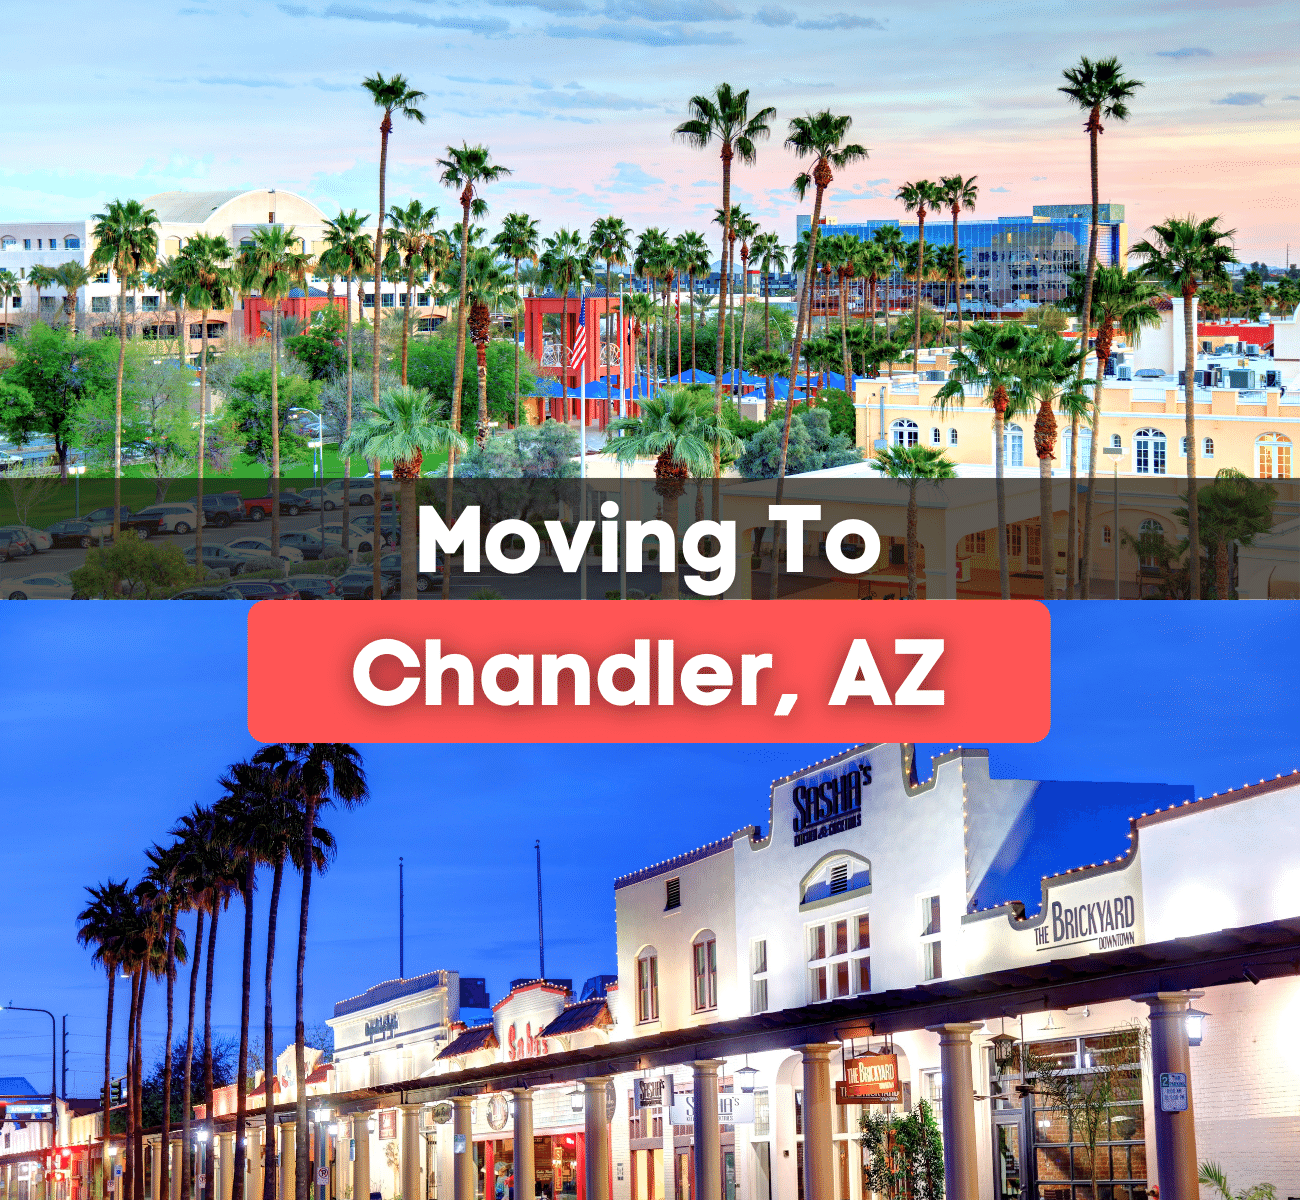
{"points": [[1008, 1156]]}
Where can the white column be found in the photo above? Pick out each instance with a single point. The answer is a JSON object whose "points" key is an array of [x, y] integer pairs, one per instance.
{"points": [[227, 1164], [463, 1169], [155, 1169], [411, 1152], [360, 1156], [525, 1167], [288, 1158], [253, 1161], [1175, 1132], [818, 1097], [596, 1128], [960, 1157], [174, 1188], [708, 1135]]}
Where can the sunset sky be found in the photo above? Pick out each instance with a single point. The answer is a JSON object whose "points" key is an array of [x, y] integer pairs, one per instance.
{"points": [[578, 98]]}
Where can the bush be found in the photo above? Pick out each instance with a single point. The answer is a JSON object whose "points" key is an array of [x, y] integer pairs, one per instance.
{"points": [[332, 567], [131, 566], [263, 563], [487, 593], [812, 446]]}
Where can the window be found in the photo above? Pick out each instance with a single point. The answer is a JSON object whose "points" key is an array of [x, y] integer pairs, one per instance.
{"points": [[1015, 541], [672, 894], [368, 300], [647, 985], [16, 302], [102, 277], [758, 976], [936, 436], [1149, 448], [839, 967], [387, 300], [1207, 448], [128, 305], [1013, 446], [47, 303], [27, 243], [149, 304], [1033, 546], [1274, 456], [1115, 442], [1105, 535], [422, 300], [952, 437], [704, 954], [930, 916], [931, 926], [976, 543], [816, 943], [72, 243], [402, 298], [101, 304], [904, 433], [7, 242]]}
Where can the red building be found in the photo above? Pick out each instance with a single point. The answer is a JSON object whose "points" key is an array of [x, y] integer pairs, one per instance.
{"points": [[257, 312], [550, 330]]}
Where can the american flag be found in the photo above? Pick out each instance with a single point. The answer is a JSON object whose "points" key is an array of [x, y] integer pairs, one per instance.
{"points": [[579, 352]]}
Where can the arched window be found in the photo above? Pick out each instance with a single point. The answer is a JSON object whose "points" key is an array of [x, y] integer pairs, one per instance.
{"points": [[1013, 446], [704, 971], [835, 875], [7, 241], [1085, 447], [72, 243], [936, 436], [1150, 525], [1149, 452], [1274, 451], [1207, 448], [904, 433], [1115, 442], [952, 437], [647, 985]]}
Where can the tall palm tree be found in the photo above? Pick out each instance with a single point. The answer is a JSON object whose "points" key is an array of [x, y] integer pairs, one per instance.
{"points": [[413, 233], [350, 253], [517, 241], [875, 264], [771, 256], [393, 95], [1124, 302], [839, 253], [650, 255], [102, 928], [467, 168], [677, 429], [165, 278], [566, 263], [890, 240], [746, 229], [724, 118], [280, 264], [693, 262], [958, 193], [920, 197], [319, 774], [487, 286], [403, 427], [1181, 254], [611, 241], [9, 288], [912, 464], [993, 361], [40, 277], [126, 240], [71, 277]]}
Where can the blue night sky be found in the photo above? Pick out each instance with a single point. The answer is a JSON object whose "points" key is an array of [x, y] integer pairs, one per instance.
{"points": [[117, 717]]}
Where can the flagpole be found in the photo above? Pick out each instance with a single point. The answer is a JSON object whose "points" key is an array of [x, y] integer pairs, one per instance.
{"points": [[582, 437]]}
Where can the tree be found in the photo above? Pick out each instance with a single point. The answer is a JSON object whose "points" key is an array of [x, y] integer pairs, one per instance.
{"points": [[71, 277], [1181, 254], [545, 451], [1212, 1175], [39, 278], [991, 361], [52, 380], [249, 407], [959, 193], [1234, 509], [468, 168], [566, 265], [279, 264], [517, 241], [677, 429], [319, 347], [819, 136], [904, 1153], [126, 239], [890, 240], [768, 363], [1122, 301], [1086, 1098], [610, 240], [128, 565], [912, 464], [811, 445], [487, 287], [413, 238], [724, 118], [402, 427], [920, 197], [318, 774], [693, 262], [9, 288]]}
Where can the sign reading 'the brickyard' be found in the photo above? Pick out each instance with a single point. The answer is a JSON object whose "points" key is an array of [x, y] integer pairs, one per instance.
{"points": [[869, 1080]]}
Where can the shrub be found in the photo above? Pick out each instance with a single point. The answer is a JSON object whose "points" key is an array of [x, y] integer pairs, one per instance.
{"points": [[262, 563]]}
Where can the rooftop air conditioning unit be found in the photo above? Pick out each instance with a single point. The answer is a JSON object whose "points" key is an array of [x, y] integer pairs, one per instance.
{"points": [[1241, 380]]}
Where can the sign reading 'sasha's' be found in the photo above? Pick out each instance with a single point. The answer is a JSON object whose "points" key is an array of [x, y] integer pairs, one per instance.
{"points": [[872, 1079], [831, 806]]}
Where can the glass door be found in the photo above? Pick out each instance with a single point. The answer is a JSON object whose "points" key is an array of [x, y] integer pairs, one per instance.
{"points": [[1008, 1157]]}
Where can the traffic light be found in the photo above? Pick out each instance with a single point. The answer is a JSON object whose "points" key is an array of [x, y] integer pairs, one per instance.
{"points": [[117, 1092]]}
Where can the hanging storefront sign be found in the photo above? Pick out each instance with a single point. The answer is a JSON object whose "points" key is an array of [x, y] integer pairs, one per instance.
{"points": [[734, 1108], [441, 1113], [869, 1080], [648, 1093], [498, 1112], [387, 1124]]}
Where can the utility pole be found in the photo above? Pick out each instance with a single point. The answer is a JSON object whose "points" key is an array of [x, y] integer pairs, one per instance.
{"points": [[64, 1072], [541, 941], [401, 919]]}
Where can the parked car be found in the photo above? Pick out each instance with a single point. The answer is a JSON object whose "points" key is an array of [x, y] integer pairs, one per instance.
{"points": [[390, 566], [41, 587], [362, 539], [322, 498], [312, 545], [260, 589], [75, 533], [172, 518], [258, 508], [105, 515], [390, 526], [358, 492], [288, 591], [221, 556], [220, 508], [39, 539], [252, 545], [225, 592], [358, 584], [316, 587], [14, 545]]}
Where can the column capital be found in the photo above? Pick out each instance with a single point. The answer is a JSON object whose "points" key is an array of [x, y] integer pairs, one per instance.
{"points": [[462, 1101], [955, 1031], [818, 1051], [410, 1108], [1169, 1001], [592, 1081], [522, 1093], [707, 1066]]}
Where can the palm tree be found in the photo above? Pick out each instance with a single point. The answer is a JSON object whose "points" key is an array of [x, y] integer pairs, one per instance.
{"points": [[611, 240], [403, 427], [517, 241], [1122, 301], [771, 256], [640, 311], [952, 269], [839, 252], [920, 197], [487, 285], [912, 464], [126, 239], [318, 773], [768, 363], [679, 431], [724, 118], [566, 263], [992, 360], [745, 228], [468, 168], [874, 263], [1213, 1176], [166, 278], [1181, 254], [651, 254], [349, 252], [71, 277], [412, 237], [9, 288], [958, 193], [890, 240], [40, 277], [102, 929], [280, 264], [693, 262]]}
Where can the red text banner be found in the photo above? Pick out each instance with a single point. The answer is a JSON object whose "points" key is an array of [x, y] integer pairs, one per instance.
{"points": [[566, 671]]}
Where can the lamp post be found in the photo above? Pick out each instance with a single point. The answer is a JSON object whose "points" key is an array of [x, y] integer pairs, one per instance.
{"points": [[1114, 453], [201, 1136], [54, 1074], [320, 438]]}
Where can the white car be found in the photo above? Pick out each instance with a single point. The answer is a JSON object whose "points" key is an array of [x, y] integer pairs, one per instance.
{"points": [[322, 498], [358, 492], [176, 518], [249, 545], [38, 537], [358, 538], [40, 587]]}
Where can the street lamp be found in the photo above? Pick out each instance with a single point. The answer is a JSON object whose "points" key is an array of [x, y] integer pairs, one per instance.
{"points": [[746, 1075], [1195, 1020], [201, 1136], [54, 1063], [1114, 453], [320, 438], [575, 1099]]}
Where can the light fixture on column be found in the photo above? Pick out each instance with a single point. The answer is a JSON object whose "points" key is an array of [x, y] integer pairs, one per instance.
{"points": [[575, 1099], [322, 1114], [1004, 1052], [371, 1125], [202, 1135], [1195, 1025]]}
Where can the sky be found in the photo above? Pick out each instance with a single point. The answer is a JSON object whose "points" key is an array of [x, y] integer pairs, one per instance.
{"points": [[578, 98], [116, 718]]}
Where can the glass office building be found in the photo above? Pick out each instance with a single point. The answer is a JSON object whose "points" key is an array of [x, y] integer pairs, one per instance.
{"points": [[1008, 261]]}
